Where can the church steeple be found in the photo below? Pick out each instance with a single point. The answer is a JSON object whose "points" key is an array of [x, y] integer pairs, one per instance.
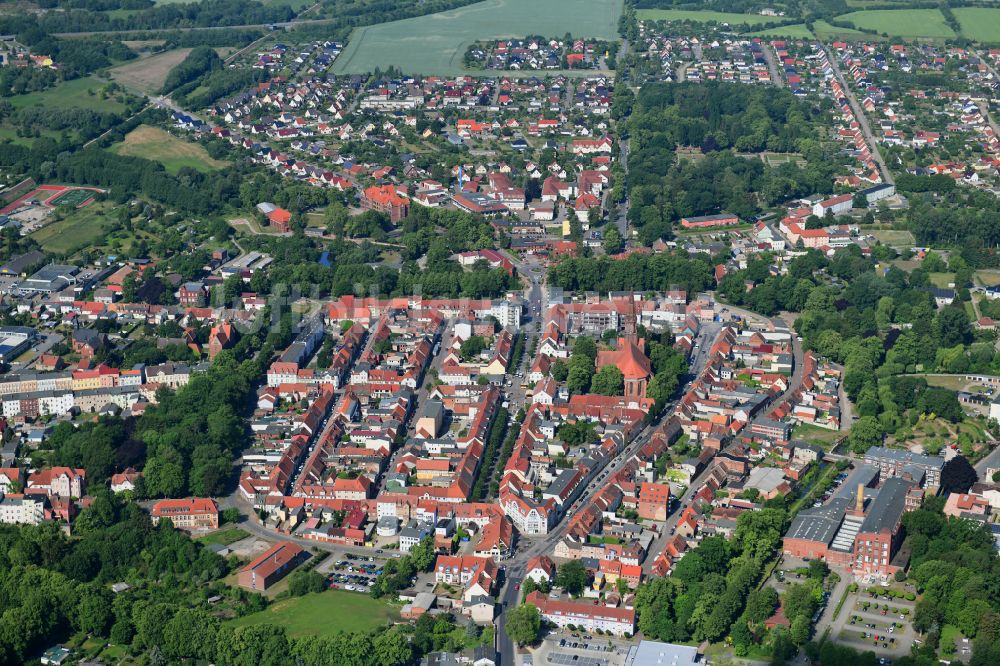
{"points": [[631, 325]]}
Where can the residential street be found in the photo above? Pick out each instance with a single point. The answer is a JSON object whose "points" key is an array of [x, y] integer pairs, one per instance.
{"points": [[777, 76], [859, 113]]}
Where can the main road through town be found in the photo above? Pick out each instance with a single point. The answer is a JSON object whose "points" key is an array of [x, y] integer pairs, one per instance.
{"points": [[515, 568]]}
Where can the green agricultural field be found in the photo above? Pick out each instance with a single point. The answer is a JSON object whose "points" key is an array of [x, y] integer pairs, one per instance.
{"points": [[825, 31], [797, 31], [979, 23], [172, 152], [927, 23], [436, 43], [323, 614], [704, 16], [75, 93], [84, 227]]}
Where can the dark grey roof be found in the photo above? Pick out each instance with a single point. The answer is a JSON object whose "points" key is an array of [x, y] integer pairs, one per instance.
{"points": [[819, 524], [903, 456], [864, 475], [887, 508]]}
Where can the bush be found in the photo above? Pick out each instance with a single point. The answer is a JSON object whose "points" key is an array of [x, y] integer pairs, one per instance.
{"points": [[304, 582], [910, 596]]}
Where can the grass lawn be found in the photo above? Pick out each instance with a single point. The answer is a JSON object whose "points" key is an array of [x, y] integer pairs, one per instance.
{"points": [[84, 227], [7, 132], [979, 23], [950, 382], [114, 653], [170, 151], [323, 614], [941, 280], [703, 16], [436, 43], [74, 93], [902, 22], [894, 237], [814, 434], [777, 159], [988, 277], [676, 475], [224, 537], [797, 31]]}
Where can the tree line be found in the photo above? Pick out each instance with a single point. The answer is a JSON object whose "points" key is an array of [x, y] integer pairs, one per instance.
{"points": [[204, 14], [200, 61]]}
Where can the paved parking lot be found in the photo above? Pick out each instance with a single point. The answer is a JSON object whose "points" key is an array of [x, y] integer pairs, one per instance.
{"points": [[561, 648], [567, 659], [354, 573], [889, 635]]}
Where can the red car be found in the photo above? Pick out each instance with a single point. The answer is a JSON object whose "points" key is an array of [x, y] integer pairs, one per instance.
{"points": [[517, 586]]}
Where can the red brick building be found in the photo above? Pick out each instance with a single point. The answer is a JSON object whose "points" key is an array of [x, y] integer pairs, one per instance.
{"points": [[705, 221], [221, 337], [193, 513], [385, 199], [636, 368], [654, 501], [860, 533], [280, 219], [271, 566]]}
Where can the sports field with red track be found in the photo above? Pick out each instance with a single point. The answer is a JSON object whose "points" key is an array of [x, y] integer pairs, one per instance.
{"points": [[51, 196]]}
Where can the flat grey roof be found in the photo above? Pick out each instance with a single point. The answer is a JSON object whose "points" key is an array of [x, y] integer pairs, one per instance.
{"points": [[655, 653], [819, 524], [887, 507]]}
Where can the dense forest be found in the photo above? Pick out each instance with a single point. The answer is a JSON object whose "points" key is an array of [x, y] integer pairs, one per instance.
{"points": [[53, 586], [216, 84], [358, 269], [189, 191], [965, 218], [955, 566], [721, 120], [639, 272]]}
